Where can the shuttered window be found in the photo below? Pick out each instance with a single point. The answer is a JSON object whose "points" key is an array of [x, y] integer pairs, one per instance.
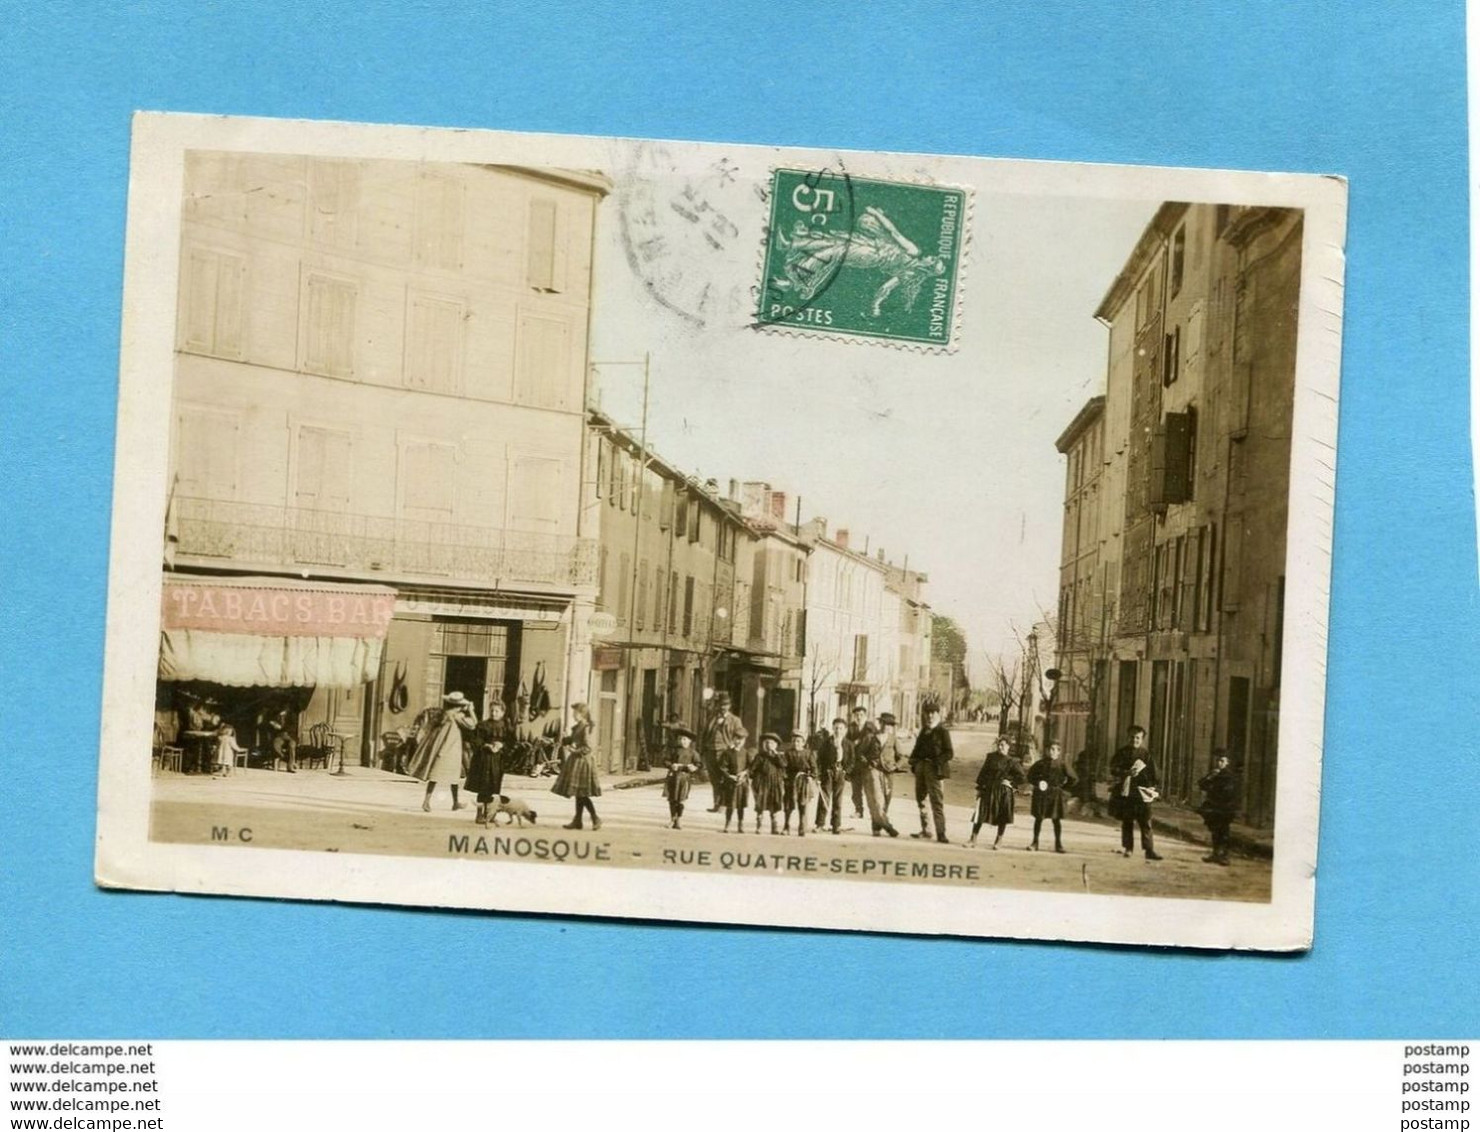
{"points": [[535, 493], [323, 475], [542, 252], [329, 327], [427, 480], [542, 376], [206, 444], [434, 334], [214, 290]]}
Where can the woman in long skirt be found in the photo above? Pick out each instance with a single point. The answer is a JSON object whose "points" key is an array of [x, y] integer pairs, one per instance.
{"points": [[440, 746], [680, 774], [1051, 783], [768, 780], [578, 778], [996, 792]]}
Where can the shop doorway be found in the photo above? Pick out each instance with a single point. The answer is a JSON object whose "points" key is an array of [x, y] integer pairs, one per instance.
{"points": [[781, 709], [468, 675], [1125, 704]]}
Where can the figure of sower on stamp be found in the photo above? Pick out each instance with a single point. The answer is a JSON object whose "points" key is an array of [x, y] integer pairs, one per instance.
{"points": [[815, 255]]}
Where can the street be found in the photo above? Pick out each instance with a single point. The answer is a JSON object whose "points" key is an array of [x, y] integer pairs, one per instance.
{"points": [[367, 811]]}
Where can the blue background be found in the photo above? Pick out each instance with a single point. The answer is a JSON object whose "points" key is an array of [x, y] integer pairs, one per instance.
{"points": [[1373, 91]]}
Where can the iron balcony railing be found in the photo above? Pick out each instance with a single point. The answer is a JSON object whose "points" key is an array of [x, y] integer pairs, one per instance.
{"points": [[263, 534]]}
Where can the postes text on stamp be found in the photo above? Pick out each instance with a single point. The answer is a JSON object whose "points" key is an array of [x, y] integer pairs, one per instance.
{"points": [[853, 256]]}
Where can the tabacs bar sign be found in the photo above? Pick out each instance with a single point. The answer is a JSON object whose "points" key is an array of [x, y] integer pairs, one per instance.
{"points": [[277, 612]]}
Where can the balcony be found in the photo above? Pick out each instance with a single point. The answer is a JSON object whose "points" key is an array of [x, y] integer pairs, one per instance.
{"points": [[261, 536]]}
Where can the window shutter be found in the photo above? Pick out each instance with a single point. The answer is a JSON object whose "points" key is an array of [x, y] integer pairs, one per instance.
{"points": [[536, 494], [1157, 485], [539, 270], [542, 374], [1177, 451]]}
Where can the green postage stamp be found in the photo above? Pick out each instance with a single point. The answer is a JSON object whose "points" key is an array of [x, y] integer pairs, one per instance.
{"points": [[853, 256]]}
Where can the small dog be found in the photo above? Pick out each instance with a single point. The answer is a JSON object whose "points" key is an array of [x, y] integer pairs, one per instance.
{"points": [[513, 809]]}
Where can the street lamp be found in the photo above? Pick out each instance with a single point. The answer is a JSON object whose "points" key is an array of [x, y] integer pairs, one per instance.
{"points": [[1052, 675]]}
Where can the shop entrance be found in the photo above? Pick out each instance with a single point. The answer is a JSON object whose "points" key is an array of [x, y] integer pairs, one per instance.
{"points": [[468, 675]]}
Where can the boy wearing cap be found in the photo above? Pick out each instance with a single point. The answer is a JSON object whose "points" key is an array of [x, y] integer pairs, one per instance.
{"points": [[800, 763], [680, 773], [852, 763], [734, 785], [931, 762], [767, 778], [890, 756], [831, 776], [723, 734], [868, 754]]}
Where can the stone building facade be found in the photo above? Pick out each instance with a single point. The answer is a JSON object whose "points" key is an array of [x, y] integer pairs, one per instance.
{"points": [[1193, 497], [379, 378]]}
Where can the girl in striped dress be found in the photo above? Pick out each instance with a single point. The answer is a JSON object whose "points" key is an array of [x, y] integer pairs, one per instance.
{"points": [[578, 778]]}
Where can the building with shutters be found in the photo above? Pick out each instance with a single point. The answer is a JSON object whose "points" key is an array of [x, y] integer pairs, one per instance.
{"points": [[1173, 565], [868, 632], [379, 380], [1083, 629], [700, 592]]}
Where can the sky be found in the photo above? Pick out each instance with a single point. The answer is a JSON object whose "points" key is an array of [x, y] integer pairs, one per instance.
{"points": [[948, 459]]}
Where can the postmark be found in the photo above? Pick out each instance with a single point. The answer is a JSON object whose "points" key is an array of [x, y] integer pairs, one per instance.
{"points": [[859, 257], [680, 234]]}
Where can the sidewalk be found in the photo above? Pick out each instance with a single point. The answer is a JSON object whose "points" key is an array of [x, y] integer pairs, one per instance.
{"points": [[1178, 821]]}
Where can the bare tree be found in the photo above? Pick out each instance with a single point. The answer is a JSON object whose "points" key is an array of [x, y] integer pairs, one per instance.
{"points": [[821, 667]]}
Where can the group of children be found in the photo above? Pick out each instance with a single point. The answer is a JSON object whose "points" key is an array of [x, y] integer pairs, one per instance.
{"points": [[773, 781]]}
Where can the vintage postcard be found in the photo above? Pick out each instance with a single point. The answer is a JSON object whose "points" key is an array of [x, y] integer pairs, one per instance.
{"points": [[721, 533]]}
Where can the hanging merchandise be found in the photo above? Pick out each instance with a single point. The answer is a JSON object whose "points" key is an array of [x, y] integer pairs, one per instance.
{"points": [[522, 703], [399, 697], [539, 695]]}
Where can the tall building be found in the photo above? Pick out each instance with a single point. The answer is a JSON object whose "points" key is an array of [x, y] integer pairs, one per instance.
{"points": [[867, 632], [703, 593], [1193, 496], [1083, 629], [379, 390]]}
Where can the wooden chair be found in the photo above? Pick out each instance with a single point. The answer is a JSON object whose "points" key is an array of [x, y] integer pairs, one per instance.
{"points": [[323, 744], [166, 756]]}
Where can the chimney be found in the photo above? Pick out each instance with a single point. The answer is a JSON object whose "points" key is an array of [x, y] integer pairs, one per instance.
{"points": [[711, 485], [734, 491], [778, 506], [881, 554], [841, 537]]}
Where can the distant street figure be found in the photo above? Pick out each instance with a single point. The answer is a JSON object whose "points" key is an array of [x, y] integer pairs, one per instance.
{"points": [[723, 733], [1087, 772], [853, 766], [931, 763], [890, 756], [1051, 783], [996, 792], [1222, 789], [1133, 788]]}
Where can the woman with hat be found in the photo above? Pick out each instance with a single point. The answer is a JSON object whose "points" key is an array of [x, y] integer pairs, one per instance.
{"points": [[680, 772], [441, 744], [578, 778], [768, 780]]}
